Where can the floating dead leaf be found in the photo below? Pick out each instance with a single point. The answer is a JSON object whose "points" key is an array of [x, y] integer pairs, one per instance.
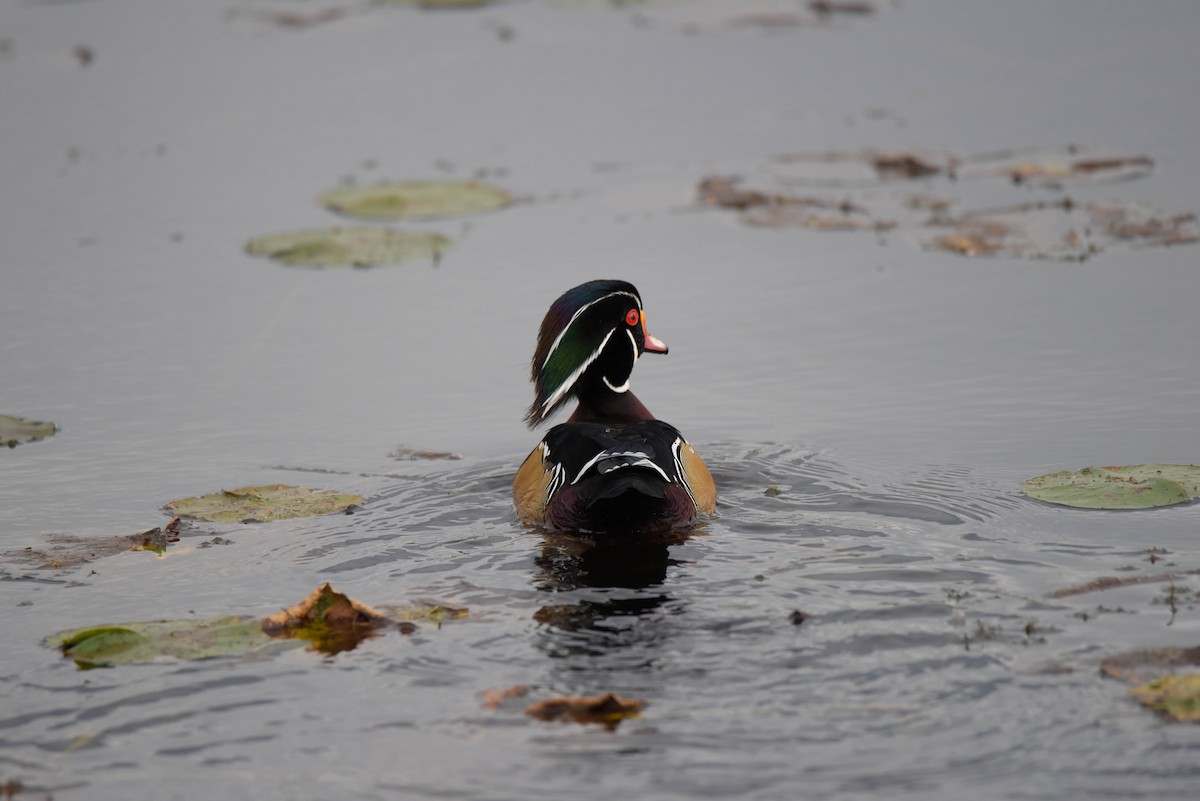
{"points": [[1177, 697], [827, 8], [984, 237], [16, 431], [328, 620], [350, 247], [67, 551], [1141, 486], [294, 20], [724, 192], [437, 4], [396, 200], [1056, 172], [768, 20], [1144, 226], [891, 166], [1112, 582], [795, 216], [1139, 666], [412, 455], [263, 503], [494, 698], [608, 709]]}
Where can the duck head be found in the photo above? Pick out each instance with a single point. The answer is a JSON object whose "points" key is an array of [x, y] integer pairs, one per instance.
{"points": [[587, 346]]}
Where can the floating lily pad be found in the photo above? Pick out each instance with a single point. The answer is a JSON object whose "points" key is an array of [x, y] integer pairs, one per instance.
{"points": [[68, 551], [16, 431], [260, 504], [136, 643], [328, 620], [349, 247], [397, 200], [1177, 697], [1132, 487]]}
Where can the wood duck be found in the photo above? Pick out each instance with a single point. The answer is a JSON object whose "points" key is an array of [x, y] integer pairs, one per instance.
{"points": [[611, 467]]}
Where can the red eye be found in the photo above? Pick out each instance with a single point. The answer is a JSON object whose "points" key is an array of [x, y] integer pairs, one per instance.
{"points": [[632, 317]]}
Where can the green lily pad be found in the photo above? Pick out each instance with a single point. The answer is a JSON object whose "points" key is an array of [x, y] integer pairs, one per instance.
{"points": [[16, 431], [349, 247], [1176, 697], [138, 643], [260, 504], [397, 200], [1139, 486]]}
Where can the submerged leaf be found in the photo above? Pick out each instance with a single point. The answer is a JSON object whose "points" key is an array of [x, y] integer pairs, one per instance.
{"points": [[1176, 697], [137, 643], [16, 431], [397, 200], [349, 247], [608, 709], [1140, 486], [260, 504]]}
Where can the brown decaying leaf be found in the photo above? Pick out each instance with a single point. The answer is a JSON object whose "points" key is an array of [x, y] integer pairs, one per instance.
{"points": [[1130, 224], [608, 709], [1145, 664], [330, 621], [494, 698], [295, 20], [902, 165], [69, 551], [790, 216], [1110, 582], [413, 454], [848, 7], [1119, 167], [724, 192], [979, 238]]}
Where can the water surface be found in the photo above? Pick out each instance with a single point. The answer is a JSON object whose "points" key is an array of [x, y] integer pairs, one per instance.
{"points": [[896, 398]]}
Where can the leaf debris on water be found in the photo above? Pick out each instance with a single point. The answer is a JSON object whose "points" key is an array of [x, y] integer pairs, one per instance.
{"points": [[330, 621], [16, 431], [1141, 486], [350, 247], [264, 503], [395, 200], [608, 709]]}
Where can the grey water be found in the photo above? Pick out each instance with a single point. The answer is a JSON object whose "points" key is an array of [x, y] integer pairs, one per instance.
{"points": [[869, 407]]}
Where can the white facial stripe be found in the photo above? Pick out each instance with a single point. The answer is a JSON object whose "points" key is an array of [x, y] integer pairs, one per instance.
{"points": [[575, 316], [565, 386], [623, 388]]}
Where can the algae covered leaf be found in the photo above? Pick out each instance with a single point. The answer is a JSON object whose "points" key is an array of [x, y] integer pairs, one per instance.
{"points": [[412, 200], [350, 247], [1141, 486], [16, 431], [264, 503], [1177, 697], [142, 642]]}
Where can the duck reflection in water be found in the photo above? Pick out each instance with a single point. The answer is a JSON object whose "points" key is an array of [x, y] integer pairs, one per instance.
{"points": [[628, 573]]}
